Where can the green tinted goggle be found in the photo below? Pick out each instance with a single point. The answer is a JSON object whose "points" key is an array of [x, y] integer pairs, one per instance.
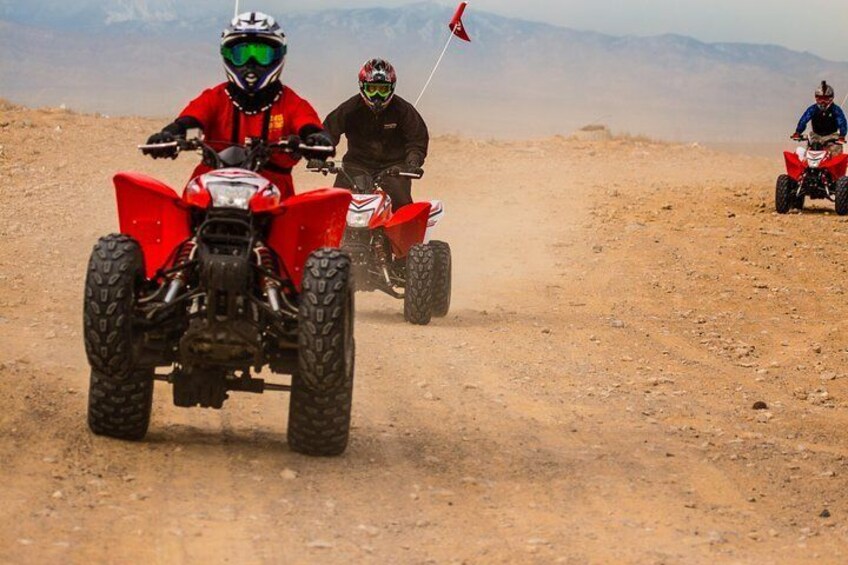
{"points": [[377, 89], [241, 53]]}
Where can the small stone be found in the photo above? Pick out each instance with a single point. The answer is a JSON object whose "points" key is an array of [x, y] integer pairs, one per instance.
{"points": [[288, 474], [760, 405], [58, 495], [320, 544], [370, 530], [617, 324], [825, 513]]}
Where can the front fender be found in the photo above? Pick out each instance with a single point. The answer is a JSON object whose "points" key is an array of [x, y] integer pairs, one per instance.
{"points": [[150, 212], [408, 227], [837, 166], [794, 167], [307, 222]]}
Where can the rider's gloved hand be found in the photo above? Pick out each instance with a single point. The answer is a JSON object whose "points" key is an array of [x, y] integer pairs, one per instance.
{"points": [[162, 152], [796, 136], [841, 140], [413, 164], [319, 139]]}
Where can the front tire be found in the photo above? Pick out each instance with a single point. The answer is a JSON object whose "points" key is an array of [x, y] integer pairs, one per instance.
{"points": [[120, 395], [322, 390], [786, 194], [841, 198], [442, 278], [418, 299]]}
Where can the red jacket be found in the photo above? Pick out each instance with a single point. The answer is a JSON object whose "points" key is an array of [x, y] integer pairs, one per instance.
{"points": [[224, 124]]}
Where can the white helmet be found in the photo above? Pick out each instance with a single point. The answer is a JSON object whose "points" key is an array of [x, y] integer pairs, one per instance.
{"points": [[254, 50]]}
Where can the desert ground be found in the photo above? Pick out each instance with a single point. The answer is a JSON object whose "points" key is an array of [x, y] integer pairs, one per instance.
{"points": [[619, 308]]}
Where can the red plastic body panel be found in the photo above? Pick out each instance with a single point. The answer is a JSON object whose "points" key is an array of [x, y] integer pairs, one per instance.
{"points": [[837, 166], [151, 213], [794, 167], [407, 227], [306, 222]]}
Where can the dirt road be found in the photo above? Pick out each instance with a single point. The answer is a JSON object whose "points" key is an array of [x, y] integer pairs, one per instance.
{"points": [[619, 308]]}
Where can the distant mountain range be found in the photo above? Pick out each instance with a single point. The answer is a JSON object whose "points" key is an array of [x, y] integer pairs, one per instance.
{"points": [[516, 79]]}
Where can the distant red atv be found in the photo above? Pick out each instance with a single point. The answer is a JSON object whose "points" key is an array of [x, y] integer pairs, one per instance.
{"points": [[815, 173], [220, 283], [394, 252]]}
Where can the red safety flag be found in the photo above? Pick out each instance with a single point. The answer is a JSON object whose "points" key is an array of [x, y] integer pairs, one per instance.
{"points": [[456, 24]]}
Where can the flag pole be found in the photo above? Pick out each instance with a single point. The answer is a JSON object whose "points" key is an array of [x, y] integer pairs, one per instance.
{"points": [[436, 68], [237, 9]]}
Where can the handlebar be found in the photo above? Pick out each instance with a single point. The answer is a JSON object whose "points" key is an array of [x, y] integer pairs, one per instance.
{"points": [[286, 145], [807, 139], [329, 167]]}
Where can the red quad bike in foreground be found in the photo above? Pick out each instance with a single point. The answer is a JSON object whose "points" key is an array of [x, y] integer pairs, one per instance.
{"points": [[812, 172], [393, 252], [225, 280]]}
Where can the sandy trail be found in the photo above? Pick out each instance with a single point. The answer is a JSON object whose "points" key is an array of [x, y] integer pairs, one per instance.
{"points": [[619, 307]]}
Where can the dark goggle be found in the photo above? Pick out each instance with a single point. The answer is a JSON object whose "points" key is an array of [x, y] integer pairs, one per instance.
{"points": [[241, 54], [377, 90], [824, 99]]}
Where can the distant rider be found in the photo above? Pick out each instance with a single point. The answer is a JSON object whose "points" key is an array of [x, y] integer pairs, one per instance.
{"points": [[383, 131], [829, 123], [254, 103]]}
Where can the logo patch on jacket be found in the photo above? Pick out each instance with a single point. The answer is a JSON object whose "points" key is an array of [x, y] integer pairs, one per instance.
{"points": [[390, 126], [277, 123]]}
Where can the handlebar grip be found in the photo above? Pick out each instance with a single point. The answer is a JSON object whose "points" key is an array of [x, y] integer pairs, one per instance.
{"points": [[169, 145]]}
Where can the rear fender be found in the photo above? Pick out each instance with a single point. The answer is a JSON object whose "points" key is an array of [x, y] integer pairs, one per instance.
{"points": [[408, 227], [151, 213], [794, 166], [307, 222], [837, 166]]}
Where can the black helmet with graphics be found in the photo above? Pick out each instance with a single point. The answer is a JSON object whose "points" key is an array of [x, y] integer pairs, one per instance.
{"points": [[824, 95], [377, 81]]}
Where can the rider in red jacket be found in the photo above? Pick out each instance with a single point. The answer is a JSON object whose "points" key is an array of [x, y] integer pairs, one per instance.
{"points": [[252, 104]]}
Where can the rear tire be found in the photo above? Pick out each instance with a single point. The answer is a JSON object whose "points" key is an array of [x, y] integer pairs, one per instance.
{"points": [[420, 271], [785, 196], [842, 196], [322, 390], [442, 278], [120, 395]]}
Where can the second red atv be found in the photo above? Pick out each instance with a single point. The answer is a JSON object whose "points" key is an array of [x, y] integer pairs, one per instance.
{"points": [[394, 252], [812, 172], [214, 286]]}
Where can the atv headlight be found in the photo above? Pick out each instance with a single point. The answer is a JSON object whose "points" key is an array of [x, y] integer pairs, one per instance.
{"points": [[358, 220], [231, 195]]}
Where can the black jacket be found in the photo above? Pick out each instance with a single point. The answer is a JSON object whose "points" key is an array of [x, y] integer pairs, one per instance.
{"points": [[375, 141]]}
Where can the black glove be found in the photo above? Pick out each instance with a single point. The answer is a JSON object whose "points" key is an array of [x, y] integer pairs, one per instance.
{"points": [[162, 152], [319, 139]]}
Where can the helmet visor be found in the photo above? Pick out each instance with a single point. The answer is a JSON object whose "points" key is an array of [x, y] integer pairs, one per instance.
{"points": [[241, 54], [377, 90]]}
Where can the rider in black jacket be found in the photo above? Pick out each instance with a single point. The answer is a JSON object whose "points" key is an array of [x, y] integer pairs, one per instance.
{"points": [[383, 131]]}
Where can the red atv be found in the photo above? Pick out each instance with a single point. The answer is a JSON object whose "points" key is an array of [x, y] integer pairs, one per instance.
{"points": [[393, 252], [216, 285], [813, 172]]}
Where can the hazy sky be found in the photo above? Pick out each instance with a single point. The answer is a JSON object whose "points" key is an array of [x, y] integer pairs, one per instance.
{"points": [[819, 26]]}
